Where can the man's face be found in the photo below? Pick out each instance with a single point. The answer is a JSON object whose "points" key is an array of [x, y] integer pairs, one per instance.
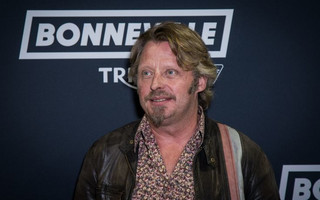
{"points": [[164, 87]]}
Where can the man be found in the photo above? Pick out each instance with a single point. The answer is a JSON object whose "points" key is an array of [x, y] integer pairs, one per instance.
{"points": [[175, 151]]}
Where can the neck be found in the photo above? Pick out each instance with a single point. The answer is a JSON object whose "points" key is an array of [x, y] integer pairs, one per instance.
{"points": [[180, 131]]}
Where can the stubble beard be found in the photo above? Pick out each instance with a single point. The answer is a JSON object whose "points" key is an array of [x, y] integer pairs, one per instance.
{"points": [[158, 115]]}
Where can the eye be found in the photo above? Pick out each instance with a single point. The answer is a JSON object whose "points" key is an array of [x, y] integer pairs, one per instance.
{"points": [[171, 72], [146, 73]]}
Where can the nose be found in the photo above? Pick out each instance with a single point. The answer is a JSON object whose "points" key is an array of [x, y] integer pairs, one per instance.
{"points": [[157, 82]]}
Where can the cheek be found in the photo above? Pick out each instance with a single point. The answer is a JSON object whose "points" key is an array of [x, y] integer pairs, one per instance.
{"points": [[142, 92], [141, 84], [141, 98]]}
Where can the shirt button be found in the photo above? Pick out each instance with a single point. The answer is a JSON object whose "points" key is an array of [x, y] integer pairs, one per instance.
{"points": [[131, 141]]}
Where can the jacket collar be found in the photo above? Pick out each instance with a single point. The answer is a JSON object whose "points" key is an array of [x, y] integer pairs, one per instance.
{"points": [[210, 142]]}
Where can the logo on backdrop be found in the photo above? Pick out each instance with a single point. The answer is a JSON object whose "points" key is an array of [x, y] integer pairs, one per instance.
{"points": [[110, 34], [299, 182]]}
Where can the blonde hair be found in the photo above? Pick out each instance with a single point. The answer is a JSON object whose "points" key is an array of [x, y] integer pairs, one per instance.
{"points": [[188, 47]]}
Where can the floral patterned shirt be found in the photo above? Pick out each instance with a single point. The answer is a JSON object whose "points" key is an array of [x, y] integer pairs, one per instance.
{"points": [[152, 181]]}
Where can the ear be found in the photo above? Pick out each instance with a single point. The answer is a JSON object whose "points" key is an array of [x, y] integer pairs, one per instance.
{"points": [[202, 84]]}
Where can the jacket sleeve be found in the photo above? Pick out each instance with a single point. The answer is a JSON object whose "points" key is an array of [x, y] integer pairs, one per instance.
{"points": [[259, 180], [87, 180]]}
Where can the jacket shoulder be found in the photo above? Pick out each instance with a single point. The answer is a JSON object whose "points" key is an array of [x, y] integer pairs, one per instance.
{"points": [[115, 138], [258, 175]]}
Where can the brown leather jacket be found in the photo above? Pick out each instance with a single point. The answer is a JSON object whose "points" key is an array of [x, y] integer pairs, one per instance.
{"points": [[108, 171]]}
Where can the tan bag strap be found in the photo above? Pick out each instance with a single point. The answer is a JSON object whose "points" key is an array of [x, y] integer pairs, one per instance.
{"points": [[230, 162]]}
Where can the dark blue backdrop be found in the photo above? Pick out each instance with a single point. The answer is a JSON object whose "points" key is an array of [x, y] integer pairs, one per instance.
{"points": [[51, 111]]}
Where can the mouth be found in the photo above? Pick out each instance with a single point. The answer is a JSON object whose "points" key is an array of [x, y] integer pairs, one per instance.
{"points": [[159, 100], [159, 97]]}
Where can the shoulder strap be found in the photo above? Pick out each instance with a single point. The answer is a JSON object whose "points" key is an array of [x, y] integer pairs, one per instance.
{"points": [[230, 159]]}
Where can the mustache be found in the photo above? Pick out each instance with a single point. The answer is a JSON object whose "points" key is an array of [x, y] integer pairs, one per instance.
{"points": [[157, 93]]}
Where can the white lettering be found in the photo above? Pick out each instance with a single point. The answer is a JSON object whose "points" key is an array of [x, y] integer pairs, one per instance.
{"points": [[75, 34], [146, 26], [301, 190], [105, 72], [118, 76], [94, 35], [208, 32], [132, 34], [316, 189], [117, 35], [46, 32], [192, 25], [45, 35], [77, 30]]}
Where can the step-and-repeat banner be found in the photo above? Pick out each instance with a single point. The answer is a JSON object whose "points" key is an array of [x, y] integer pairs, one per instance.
{"points": [[64, 84]]}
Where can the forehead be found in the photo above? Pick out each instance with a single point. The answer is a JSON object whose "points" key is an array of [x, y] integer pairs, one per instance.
{"points": [[157, 48], [157, 52]]}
